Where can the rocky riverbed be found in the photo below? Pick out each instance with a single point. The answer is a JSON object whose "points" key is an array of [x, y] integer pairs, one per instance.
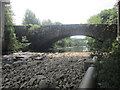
{"points": [[43, 70]]}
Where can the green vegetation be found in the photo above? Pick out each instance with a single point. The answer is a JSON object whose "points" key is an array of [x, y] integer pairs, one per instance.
{"points": [[30, 18], [34, 23], [108, 68], [106, 16], [10, 43], [69, 42]]}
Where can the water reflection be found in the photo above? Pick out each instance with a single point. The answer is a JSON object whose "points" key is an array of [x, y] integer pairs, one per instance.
{"points": [[70, 49]]}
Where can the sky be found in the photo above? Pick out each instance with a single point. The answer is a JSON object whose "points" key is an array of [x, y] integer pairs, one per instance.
{"points": [[63, 11]]}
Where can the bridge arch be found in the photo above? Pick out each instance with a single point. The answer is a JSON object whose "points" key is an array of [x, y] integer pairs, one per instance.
{"points": [[46, 35]]}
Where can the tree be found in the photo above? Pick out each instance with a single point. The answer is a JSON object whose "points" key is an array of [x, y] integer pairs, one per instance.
{"points": [[30, 18], [94, 19], [106, 16], [10, 43], [110, 57], [47, 22]]}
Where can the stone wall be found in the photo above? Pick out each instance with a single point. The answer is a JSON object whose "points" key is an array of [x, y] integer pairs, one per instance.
{"points": [[45, 36]]}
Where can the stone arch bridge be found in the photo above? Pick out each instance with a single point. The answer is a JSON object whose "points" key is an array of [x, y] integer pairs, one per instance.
{"points": [[42, 38]]}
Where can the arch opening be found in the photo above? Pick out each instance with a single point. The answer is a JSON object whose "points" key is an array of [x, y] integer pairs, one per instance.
{"points": [[77, 43]]}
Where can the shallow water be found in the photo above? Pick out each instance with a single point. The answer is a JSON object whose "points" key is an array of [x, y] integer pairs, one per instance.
{"points": [[70, 49]]}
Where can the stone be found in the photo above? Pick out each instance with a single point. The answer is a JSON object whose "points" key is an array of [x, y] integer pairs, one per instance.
{"points": [[40, 77], [7, 66], [56, 32], [46, 84], [32, 80], [80, 60], [20, 56], [6, 80], [39, 58], [60, 76], [17, 63], [23, 85], [33, 75]]}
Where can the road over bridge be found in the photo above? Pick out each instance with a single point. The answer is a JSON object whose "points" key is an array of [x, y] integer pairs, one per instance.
{"points": [[43, 37]]}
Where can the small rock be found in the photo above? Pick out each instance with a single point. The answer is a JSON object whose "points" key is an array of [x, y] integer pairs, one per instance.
{"points": [[32, 80], [40, 77], [7, 66], [17, 63], [46, 84], [39, 58], [20, 56], [23, 85], [60, 76], [80, 60], [6, 80]]}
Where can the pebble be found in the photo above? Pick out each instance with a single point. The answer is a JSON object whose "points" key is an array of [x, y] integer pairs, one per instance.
{"points": [[39, 58], [23, 85], [40, 77], [32, 80], [43, 70], [7, 66]]}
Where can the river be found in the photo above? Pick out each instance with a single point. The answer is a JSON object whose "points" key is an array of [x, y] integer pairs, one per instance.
{"points": [[70, 49]]}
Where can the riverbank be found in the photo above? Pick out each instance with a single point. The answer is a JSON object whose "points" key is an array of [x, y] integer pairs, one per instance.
{"points": [[44, 70]]}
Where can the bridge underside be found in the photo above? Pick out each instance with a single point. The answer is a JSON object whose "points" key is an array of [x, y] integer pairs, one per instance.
{"points": [[42, 38]]}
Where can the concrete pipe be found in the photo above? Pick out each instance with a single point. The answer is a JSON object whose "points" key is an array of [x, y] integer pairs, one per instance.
{"points": [[89, 80]]}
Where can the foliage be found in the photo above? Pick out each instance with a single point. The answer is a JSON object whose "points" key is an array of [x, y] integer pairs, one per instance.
{"points": [[30, 18], [57, 23], [33, 34], [95, 19], [99, 47], [106, 16], [69, 42], [108, 70], [47, 22], [10, 43], [34, 27], [109, 16]]}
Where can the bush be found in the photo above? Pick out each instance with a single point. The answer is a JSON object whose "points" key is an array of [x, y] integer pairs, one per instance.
{"points": [[10, 43], [108, 70]]}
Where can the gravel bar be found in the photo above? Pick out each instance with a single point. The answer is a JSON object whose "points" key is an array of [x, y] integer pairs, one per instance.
{"points": [[43, 70]]}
